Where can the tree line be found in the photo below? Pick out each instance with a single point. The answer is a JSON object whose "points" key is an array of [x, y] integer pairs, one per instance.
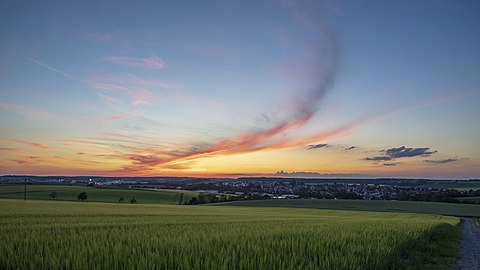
{"points": [[204, 198]]}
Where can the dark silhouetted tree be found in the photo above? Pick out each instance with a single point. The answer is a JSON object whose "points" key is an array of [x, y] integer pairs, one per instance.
{"points": [[193, 200], [53, 195], [82, 196], [133, 200], [121, 200]]}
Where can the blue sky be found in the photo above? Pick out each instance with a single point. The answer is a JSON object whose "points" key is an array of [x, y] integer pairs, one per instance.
{"points": [[214, 88]]}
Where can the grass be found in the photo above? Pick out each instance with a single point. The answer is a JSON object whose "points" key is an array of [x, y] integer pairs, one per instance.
{"points": [[95, 194], [440, 251], [74, 235], [475, 199], [366, 205], [454, 185]]}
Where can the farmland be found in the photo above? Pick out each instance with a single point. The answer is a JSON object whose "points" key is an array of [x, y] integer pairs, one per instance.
{"points": [[60, 235], [451, 209], [95, 194], [454, 185], [473, 199]]}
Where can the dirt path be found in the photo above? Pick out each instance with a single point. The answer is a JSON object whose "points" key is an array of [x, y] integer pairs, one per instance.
{"points": [[470, 246]]}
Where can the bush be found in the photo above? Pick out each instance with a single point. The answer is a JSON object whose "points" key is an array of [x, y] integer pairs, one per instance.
{"points": [[82, 196]]}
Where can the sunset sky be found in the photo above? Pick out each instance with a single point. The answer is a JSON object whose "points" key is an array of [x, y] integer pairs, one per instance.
{"points": [[233, 88]]}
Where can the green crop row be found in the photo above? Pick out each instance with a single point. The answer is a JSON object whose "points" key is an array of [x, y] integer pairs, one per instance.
{"points": [[61, 235]]}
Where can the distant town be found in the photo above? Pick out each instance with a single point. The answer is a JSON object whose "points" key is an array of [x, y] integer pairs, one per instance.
{"points": [[452, 191]]}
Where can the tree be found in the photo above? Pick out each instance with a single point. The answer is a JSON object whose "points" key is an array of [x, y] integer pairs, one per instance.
{"points": [[202, 198], [193, 200], [82, 196], [403, 196], [121, 200], [53, 195], [133, 200]]}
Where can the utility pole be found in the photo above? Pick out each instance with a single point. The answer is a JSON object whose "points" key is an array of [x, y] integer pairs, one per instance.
{"points": [[25, 190]]}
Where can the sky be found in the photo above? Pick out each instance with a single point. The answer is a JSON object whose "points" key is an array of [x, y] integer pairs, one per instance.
{"points": [[240, 88]]}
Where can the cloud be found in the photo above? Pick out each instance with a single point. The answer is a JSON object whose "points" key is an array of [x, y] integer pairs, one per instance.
{"points": [[390, 164], [49, 67], [146, 161], [137, 91], [382, 158], [36, 158], [18, 161], [108, 117], [147, 158], [141, 96], [152, 62], [116, 135], [85, 142], [302, 108], [26, 111], [403, 151], [109, 100], [176, 167], [9, 149], [33, 144], [331, 146], [101, 84], [443, 161], [323, 61], [316, 146]]}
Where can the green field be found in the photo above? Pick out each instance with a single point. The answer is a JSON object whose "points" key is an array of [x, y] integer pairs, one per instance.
{"points": [[475, 199], [75, 235], [96, 194], [451, 209], [453, 185]]}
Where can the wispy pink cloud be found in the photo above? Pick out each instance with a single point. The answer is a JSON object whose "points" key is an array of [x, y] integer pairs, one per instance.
{"points": [[109, 100], [9, 149], [108, 117], [82, 142], [101, 84], [147, 159], [116, 135], [33, 144], [26, 111], [302, 108], [152, 62], [49, 67], [127, 143], [139, 95]]}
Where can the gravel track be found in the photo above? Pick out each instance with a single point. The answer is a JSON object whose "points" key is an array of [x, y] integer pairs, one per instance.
{"points": [[470, 246]]}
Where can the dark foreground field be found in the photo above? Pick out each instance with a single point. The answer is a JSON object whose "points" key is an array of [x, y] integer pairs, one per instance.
{"points": [[76, 235]]}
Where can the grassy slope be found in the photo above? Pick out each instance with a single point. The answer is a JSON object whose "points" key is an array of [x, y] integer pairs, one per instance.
{"points": [[95, 194], [48, 234], [361, 205]]}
